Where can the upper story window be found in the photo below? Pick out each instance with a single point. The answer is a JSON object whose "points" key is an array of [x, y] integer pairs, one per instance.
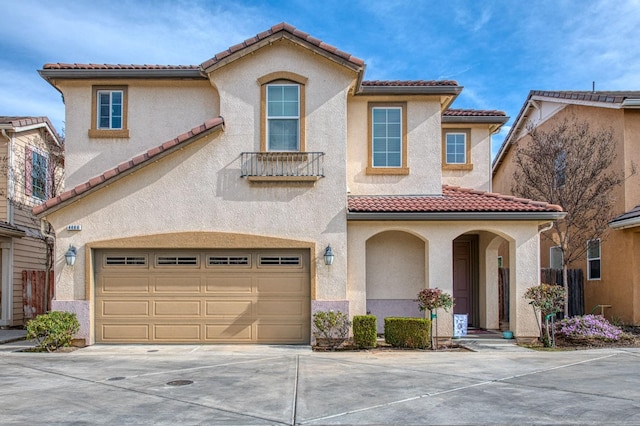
{"points": [[387, 139], [109, 112], [456, 150], [36, 174], [282, 112], [560, 169], [283, 117], [593, 260]]}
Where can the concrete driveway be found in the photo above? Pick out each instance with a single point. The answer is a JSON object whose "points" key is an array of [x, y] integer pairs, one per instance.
{"points": [[255, 385]]}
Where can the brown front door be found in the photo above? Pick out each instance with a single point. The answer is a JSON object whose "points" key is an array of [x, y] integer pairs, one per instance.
{"points": [[463, 278]]}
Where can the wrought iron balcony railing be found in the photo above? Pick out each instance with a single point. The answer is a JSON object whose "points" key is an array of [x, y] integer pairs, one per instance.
{"points": [[282, 166]]}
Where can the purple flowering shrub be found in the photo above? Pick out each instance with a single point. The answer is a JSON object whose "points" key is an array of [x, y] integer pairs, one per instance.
{"points": [[588, 327]]}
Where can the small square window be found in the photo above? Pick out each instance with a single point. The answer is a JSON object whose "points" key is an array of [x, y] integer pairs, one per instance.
{"points": [[109, 112], [456, 150]]}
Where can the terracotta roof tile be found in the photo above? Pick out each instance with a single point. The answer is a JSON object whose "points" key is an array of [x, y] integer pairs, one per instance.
{"points": [[127, 165], [408, 83], [61, 66], [23, 121], [282, 27], [453, 199], [473, 113]]}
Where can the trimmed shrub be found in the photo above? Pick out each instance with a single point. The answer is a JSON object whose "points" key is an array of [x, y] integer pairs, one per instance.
{"points": [[365, 331], [53, 330], [408, 332]]}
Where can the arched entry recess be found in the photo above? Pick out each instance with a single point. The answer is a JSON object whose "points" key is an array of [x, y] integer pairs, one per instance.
{"points": [[396, 272]]}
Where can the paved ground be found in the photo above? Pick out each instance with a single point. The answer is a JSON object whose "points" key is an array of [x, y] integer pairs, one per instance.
{"points": [[257, 385]]}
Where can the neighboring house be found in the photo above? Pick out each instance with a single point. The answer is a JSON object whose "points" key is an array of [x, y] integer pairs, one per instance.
{"points": [[219, 233], [31, 156], [612, 264]]}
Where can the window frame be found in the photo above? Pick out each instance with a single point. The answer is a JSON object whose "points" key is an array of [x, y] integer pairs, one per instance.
{"points": [[35, 189], [96, 131], [403, 169], [468, 164], [551, 255], [282, 78], [560, 170], [594, 259]]}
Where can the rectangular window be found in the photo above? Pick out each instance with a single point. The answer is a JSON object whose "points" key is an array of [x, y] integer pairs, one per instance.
{"points": [[456, 148], [110, 109], [39, 168], [386, 136], [593, 260], [555, 258], [283, 117], [109, 112]]}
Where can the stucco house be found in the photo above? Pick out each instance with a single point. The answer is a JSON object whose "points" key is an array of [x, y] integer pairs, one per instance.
{"points": [[31, 168], [611, 266], [201, 200]]}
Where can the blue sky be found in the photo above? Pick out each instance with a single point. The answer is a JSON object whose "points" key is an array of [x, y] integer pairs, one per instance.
{"points": [[498, 50]]}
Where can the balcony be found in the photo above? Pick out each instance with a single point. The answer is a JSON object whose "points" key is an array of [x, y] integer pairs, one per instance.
{"points": [[282, 166]]}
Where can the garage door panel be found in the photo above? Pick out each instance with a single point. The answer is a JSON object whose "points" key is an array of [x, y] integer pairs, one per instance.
{"points": [[282, 332], [176, 332], [121, 284], [225, 307], [228, 297], [124, 332], [230, 332], [296, 284], [124, 308], [229, 284], [295, 308], [177, 284], [177, 308]]}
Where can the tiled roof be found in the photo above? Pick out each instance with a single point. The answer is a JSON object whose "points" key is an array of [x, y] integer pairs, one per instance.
{"points": [[282, 27], [61, 66], [408, 83], [599, 96], [453, 199], [473, 113], [24, 121], [130, 165], [632, 215]]}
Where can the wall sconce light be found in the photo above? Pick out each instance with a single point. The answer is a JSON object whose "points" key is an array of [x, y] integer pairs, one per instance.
{"points": [[328, 256], [70, 256]]}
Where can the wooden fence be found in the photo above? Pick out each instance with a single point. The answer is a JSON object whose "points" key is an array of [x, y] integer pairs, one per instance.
{"points": [[33, 293]]}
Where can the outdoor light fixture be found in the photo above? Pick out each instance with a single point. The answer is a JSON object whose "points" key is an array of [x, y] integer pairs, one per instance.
{"points": [[328, 256], [70, 256]]}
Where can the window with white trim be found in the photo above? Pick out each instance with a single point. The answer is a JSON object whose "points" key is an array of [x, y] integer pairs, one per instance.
{"points": [[456, 147], [555, 257], [283, 117], [110, 109], [386, 136], [36, 172], [594, 271]]}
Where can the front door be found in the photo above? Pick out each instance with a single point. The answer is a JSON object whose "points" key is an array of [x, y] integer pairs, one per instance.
{"points": [[464, 278]]}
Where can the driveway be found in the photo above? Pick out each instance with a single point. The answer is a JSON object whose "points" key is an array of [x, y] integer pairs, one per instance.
{"points": [[256, 385]]}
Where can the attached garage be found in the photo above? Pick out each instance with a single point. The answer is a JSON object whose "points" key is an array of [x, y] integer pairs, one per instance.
{"points": [[202, 296]]}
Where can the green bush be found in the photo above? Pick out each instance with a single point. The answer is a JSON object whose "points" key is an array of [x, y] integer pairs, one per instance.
{"points": [[364, 331], [53, 330], [408, 332]]}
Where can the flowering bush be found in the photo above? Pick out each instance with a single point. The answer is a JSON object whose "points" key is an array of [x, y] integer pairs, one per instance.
{"points": [[331, 324], [549, 299], [588, 327], [430, 299]]}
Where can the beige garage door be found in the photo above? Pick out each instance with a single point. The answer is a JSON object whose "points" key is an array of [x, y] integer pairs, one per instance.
{"points": [[240, 296]]}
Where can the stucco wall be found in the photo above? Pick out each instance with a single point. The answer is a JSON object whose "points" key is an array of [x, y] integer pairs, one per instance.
{"points": [[480, 176]]}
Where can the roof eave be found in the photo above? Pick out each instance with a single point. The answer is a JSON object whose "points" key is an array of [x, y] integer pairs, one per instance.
{"points": [[277, 37], [624, 224], [79, 74], [409, 90], [455, 216]]}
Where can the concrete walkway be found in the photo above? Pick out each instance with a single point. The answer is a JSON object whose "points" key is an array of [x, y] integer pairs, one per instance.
{"points": [[256, 385]]}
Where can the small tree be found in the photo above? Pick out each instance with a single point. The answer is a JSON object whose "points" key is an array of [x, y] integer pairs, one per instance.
{"points": [[432, 299], [547, 300], [570, 165]]}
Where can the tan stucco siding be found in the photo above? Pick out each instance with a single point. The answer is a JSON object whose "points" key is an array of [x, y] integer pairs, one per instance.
{"points": [[157, 112], [423, 148], [631, 152]]}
